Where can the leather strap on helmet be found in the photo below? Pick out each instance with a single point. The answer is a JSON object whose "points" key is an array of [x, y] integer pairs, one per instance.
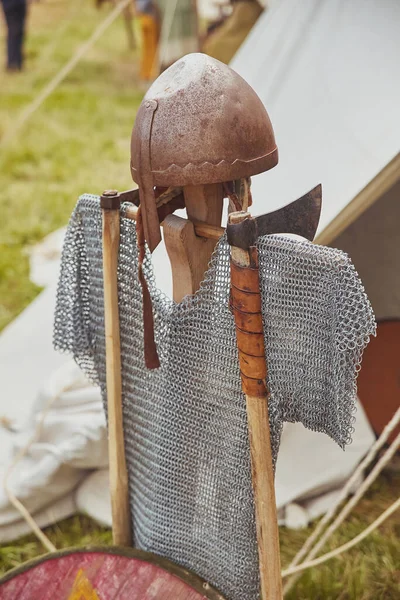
{"points": [[150, 349], [144, 176]]}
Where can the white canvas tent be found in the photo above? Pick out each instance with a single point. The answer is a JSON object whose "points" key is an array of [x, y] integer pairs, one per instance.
{"points": [[373, 242], [327, 72]]}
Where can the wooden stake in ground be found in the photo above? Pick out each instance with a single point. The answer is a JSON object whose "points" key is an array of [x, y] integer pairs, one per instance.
{"points": [[246, 305], [121, 518]]}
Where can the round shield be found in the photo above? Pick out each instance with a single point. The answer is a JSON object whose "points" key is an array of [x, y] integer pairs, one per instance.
{"points": [[103, 574]]}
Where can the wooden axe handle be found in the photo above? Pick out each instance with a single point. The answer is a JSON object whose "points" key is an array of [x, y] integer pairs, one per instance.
{"points": [[246, 305]]}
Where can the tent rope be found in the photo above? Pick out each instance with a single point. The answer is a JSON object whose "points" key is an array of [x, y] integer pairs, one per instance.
{"points": [[356, 540], [61, 75], [17, 458], [308, 550]]}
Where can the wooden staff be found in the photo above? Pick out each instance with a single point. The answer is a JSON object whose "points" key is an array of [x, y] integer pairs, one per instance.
{"points": [[189, 255], [246, 304], [121, 518]]}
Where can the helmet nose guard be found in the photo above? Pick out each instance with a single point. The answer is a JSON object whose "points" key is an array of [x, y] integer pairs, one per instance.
{"points": [[199, 123]]}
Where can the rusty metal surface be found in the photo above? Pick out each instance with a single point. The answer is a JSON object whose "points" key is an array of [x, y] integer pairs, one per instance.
{"points": [[199, 123], [209, 126], [130, 196], [112, 199], [300, 217], [144, 178]]}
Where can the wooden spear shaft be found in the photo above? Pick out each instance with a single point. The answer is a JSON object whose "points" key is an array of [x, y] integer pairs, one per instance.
{"points": [[121, 518], [246, 304]]}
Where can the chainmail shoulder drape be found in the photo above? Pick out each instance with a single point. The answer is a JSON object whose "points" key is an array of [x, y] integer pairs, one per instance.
{"points": [[185, 423]]}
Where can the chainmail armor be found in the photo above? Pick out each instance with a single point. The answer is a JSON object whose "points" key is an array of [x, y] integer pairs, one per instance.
{"points": [[185, 423]]}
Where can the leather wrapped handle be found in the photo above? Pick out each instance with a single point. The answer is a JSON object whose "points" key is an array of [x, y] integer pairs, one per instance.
{"points": [[246, 308]]}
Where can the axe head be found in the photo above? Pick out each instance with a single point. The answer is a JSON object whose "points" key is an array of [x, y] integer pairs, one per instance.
{"points": [[300, 217]]}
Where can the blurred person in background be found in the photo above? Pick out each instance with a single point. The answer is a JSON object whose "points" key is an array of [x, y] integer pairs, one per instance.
{"points": [[227, 37], [181, 34], [148, 14], [15, 16]]}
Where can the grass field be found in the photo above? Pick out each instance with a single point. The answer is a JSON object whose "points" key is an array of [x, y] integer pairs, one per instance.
{"points": [[79, 142]]}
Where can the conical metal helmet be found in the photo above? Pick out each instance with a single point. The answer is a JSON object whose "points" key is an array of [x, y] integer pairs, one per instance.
{"points": [[199, 123]]}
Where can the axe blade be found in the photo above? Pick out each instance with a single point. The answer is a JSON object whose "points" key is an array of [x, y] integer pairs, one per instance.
{"points": [[300, 217]]}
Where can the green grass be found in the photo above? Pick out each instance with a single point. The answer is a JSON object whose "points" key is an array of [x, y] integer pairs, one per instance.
{"points": [[370, 571], [79, 142], [75, 531]]}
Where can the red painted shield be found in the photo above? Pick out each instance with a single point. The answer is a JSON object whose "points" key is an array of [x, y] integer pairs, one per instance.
{"points": [[103, 574]]}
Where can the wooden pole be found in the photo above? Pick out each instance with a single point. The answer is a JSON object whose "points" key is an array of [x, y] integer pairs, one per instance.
{"points": [[204, 230], [247, 300], [121, 518], [190, 254]]}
